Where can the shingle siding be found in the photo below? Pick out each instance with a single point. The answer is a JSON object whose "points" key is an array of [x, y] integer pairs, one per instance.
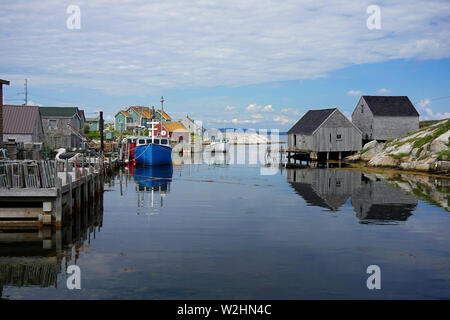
{"points": [[392, 127], [325, 137], [60, 135], [380, 126]]}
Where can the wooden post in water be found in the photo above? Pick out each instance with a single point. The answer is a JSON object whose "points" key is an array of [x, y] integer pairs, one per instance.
{"points": [[58, 203], [78, 192], [70, 195]]}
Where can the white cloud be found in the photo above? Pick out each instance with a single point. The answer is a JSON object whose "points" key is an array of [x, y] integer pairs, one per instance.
{"points": [[422, 104], [244, 121], [428, 113], [291, 111], [230, 108], [354, 93], [282, 119], [268, 108], [134, 46], [253, 108], [383, 91], [257, 116], [33, 103]]}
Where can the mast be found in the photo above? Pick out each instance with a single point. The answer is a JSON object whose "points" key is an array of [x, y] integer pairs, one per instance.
{"points": [[162, 113]]}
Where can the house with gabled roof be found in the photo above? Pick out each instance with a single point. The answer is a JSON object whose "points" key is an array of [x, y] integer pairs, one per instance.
{"points": [[326, 131], [162, 116], [135, 116], [132, 117], [177, 131], [385, 117], [56, 120], [22, 124]]}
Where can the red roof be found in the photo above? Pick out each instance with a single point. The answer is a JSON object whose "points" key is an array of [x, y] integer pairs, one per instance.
{"points": [[19, 119]]}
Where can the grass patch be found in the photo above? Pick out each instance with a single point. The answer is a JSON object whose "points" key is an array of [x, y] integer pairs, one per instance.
{"points": [[439, 131], [427, 123], [364, 150], [399, 155], [444, 155], [423, 157]]}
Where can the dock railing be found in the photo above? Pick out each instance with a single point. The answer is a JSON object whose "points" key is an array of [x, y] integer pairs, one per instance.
{"points": [[43, 173]]}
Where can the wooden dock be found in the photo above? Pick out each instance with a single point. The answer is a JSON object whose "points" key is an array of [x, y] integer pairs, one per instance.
{"points": [[38, 193]]}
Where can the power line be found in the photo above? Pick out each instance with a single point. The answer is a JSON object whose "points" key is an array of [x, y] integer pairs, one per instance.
{"points": [[433, 99]]}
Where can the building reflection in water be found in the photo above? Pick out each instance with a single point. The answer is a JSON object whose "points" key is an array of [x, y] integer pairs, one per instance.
{"points": [[35, 257], [373, 199], [152, 186]]}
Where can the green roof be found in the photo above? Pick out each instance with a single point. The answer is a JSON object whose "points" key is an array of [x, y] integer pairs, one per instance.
{"points": [[58, 111]]}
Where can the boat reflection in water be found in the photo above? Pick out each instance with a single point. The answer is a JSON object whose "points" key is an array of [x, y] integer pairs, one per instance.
{"points": [[220, 159], [152, 181], [374, 200]]}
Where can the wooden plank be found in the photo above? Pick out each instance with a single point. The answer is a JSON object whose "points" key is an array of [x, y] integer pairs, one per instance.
{"points": [[17, 193], [20, 237], [20, 212], [19, 224]]}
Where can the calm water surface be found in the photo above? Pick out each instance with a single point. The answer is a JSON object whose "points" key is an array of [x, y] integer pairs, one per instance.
{"points": [[224, 231]]}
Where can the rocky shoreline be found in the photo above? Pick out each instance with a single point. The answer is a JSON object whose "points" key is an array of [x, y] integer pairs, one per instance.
{"points": [[427, 150]]}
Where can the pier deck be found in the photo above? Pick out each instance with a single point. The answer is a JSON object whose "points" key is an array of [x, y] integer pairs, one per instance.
{"points": [[38, 193]]}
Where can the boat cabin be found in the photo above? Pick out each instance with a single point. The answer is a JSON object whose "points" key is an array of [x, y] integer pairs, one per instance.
{"points": [[148, 140]]}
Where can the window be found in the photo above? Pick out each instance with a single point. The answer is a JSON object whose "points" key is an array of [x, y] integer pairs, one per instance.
{"points": [[362, 108], [295, 140], [53, 123], [163, 141], [338, 137], [141, 141], [156, 141], [11, 140]]}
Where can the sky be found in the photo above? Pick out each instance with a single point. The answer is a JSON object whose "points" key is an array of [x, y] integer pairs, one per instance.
{"points": [[257, 64]]}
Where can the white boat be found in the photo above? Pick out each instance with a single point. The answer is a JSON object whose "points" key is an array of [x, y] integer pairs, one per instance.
{"points": [[221, 145]]}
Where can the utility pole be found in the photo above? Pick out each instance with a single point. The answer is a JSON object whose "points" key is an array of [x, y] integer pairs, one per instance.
{"points": [[26, 91], [6, 83], [162, 103]]}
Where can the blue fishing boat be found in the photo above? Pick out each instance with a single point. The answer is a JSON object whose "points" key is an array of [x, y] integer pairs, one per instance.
{"points": [[154, 176], [153, 151]]}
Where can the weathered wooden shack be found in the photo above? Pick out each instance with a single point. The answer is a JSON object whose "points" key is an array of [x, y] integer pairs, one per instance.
{"points": [[324, 132], [55, 123], [384, 117]]}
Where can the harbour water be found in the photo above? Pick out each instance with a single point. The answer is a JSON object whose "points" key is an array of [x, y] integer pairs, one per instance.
{"points": [[217, 228]]}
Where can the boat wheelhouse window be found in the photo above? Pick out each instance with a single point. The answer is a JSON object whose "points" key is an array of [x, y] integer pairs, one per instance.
{"points": [[141, 141], [156, 141], [163, 141]]}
